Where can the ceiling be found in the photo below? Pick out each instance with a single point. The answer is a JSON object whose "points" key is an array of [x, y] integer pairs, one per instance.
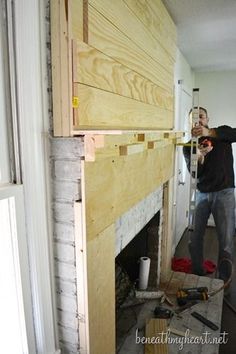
{"points": [[206, 32]]}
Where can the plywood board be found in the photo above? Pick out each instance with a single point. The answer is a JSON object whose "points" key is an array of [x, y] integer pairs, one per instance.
{"points": [[107, 38], [160, 12], [129, 25], [101, 291], [104, 109], [94, 68], [157, 26], [76, 19], [114, 185]]}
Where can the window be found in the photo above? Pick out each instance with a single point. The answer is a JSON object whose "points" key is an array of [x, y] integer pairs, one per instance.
{"points": [[16, 320], [15, 298]]}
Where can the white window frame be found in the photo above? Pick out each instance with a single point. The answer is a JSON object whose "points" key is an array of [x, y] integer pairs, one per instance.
{"points": [[22, 274], [33, 125]]}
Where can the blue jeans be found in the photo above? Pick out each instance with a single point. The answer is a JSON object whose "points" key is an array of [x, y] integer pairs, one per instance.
{"points": [[222, 205]]}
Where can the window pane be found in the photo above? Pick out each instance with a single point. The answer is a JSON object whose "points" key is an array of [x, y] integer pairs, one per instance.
{"points": [[12, 321]]}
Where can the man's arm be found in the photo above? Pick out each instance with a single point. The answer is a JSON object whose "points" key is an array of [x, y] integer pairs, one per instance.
{"points": [[223, 132]]}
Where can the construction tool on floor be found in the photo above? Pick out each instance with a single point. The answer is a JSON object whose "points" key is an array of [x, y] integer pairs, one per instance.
{"points": [[185, 295], [205, 321], [163, 312]]}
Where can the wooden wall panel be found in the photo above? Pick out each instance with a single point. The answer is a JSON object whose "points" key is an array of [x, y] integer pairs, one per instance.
{"points": [[99, 108], [61, 69], [101, 291], [149, 13], [76, 19], [122, 17], [124, 56], [93, 68], [113, 185], [160, 12], [107, 38]]}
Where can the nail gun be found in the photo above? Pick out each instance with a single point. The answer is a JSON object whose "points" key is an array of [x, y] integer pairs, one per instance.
{"points": [[189, 294]]}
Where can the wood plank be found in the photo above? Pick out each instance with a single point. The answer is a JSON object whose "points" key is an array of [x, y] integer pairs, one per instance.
{"points": [[61, 69], [161, 13], [76, 19], [101, 291], [154, 329], [103, 146], [125, 20], [155, 144], [93, 68], [167, 230], [81, 273], [114, 185], [104, 109], [154, 24], [66, 70], [109, 40], [56, 66], [131, 149]]}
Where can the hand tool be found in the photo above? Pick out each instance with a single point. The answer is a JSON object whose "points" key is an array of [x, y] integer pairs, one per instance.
{"points": [[185, 295], [205, 321], [163, 312]]}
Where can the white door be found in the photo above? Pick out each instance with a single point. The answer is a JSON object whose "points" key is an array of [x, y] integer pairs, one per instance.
{"points": [[181, 200]]}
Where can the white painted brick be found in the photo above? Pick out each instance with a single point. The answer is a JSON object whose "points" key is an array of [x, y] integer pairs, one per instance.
{"points": [[131, 223], [67, 348], [64, 252], [64, 231], [67, 169], [68, 335], [66, 190], [64, 212], [68, 319], [65, 270], [67, 147], [67, 303], [65, 287]]}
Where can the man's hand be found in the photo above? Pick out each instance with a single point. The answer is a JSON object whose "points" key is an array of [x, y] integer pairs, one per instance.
{"points": [[200, 130], [202, 152]]}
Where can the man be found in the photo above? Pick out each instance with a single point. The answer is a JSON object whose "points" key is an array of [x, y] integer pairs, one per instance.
{"points": [[215, 193]]}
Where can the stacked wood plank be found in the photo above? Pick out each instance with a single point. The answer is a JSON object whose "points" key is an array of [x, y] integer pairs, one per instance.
{"points": [[118, 59]]}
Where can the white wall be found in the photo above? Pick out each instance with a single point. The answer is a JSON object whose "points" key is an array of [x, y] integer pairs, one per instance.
{"points": [[184, 73], [184, 83]]}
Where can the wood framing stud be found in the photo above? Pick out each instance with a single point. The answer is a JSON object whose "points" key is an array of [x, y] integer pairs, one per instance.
{"points": [[131, 149]]}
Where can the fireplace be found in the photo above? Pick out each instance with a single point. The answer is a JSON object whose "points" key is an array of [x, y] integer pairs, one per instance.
{"points": [[145, 243]]}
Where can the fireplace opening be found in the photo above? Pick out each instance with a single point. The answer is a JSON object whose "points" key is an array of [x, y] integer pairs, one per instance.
{"points": [[128, 308]]}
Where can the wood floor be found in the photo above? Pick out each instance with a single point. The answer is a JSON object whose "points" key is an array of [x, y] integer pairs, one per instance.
{"points": [[228, 316]]}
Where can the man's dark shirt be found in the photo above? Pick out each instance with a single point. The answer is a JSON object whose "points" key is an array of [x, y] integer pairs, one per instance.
{"points": [[217, 172]]}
